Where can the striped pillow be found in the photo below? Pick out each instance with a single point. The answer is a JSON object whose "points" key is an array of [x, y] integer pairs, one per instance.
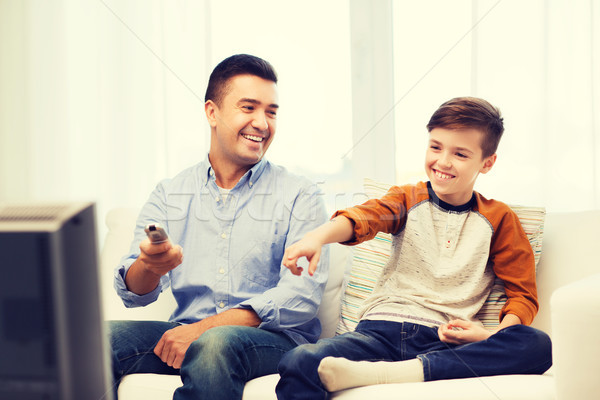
{"points": [[370, 257]]}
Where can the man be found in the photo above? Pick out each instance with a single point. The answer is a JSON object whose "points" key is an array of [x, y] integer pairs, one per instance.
{"points": [[232, 215]]}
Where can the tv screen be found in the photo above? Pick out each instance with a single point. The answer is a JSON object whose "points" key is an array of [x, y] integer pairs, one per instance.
{"points": [[52, 338]]}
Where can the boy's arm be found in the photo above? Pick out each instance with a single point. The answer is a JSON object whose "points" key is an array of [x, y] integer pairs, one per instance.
{"points": [[514, 263], [356, 224], [387, 214], [337, 229], [508, 320]]}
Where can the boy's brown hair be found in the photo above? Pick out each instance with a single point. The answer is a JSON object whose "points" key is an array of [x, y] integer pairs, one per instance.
{"points": [[471, 113]]}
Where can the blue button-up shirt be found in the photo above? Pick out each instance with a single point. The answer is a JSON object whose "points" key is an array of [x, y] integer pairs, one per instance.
{"points": [[233, 247]]}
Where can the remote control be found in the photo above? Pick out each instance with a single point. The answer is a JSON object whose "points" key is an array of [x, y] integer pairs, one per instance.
{"points": [[156, 233]]}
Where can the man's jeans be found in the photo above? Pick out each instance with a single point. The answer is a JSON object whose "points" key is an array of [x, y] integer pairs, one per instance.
{"points": [[216, 366], [517, 349]]}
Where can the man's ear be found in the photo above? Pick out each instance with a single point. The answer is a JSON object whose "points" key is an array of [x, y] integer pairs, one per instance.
{"points": [[488, 163], [211, 110]]}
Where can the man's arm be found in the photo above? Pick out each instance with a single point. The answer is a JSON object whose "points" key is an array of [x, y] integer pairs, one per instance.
{"points": [[171, 348], [133, 282], [154, 261]]}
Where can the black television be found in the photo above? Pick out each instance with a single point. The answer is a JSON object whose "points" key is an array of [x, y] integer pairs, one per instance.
{"points": [[52, 338]]}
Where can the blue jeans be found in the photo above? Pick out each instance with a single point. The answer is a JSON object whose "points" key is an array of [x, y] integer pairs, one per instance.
{"points": [[517, 349], [216, 366]]}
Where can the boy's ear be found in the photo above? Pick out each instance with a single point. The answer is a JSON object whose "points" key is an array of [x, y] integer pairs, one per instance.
{"points": [[488, 163], [210, 108]]}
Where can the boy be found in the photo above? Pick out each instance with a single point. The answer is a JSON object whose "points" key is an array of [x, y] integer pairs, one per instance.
{"points": [[448, 242]]}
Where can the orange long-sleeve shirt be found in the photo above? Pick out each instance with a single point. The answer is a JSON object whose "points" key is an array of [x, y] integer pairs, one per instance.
{"points": [[444, 257]]}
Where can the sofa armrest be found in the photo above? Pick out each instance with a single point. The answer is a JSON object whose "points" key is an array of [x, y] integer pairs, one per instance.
{"points": [[575, 317]]}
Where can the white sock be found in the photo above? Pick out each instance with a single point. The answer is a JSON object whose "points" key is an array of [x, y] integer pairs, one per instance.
{"points": [[340, 373]]}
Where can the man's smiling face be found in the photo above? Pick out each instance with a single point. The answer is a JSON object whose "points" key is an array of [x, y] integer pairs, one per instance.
{"points": [[453, 161], [244, 123]]}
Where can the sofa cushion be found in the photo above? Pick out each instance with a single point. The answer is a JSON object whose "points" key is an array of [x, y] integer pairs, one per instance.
{"points": [[370, 257], [530, 387], [339, 267]]}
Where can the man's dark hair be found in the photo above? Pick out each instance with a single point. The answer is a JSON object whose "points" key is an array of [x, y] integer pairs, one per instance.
{"points": [[471, 113], [239, 64]]}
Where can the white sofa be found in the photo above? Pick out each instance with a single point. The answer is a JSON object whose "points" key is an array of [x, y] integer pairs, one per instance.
{"points": [[572, 317]]}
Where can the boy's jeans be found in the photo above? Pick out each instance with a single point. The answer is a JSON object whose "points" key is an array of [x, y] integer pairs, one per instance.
{"points": [[216, 366], [517, 349]]}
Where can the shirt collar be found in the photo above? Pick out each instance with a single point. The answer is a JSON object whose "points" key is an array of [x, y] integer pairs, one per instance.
{"points": [[447, 206], [249, 177]]}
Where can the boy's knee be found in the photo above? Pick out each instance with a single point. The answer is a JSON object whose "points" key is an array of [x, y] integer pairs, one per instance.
{"points": [[303, 357], [540, 349], [532, 341], [543, 339], [543, 343], [534, 337]]}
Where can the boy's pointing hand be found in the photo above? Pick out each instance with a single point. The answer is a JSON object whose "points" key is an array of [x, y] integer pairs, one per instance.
{"points": [[305, 247]]}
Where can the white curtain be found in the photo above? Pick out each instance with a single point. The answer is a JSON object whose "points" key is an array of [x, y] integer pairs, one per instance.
{"points": [[91, 109], [100, 99], [538, 61]]}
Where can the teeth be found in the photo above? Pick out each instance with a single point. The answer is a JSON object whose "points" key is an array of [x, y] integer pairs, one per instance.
{"points": [[253, 138], [441, 175]]}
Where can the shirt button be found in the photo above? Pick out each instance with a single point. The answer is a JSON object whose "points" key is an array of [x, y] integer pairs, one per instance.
{"points": [[223, 235], [222, 305], [251, 184], [217, 199], [222, 271]]}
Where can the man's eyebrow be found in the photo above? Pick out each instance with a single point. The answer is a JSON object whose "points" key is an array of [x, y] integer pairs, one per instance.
{"points": [[254, 101]]}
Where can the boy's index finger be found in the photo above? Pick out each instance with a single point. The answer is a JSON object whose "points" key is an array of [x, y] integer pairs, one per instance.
{"points": [[289, 258], [294, 269], [289, 261], [314, 261]]}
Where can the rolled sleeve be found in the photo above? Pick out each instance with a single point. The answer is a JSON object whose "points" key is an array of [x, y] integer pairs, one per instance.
{"points": [[387, 214], [293, 303], [129, 298], [153, 211]]}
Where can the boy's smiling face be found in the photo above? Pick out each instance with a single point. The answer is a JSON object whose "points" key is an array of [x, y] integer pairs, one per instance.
{"points": [[453, 161]]}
